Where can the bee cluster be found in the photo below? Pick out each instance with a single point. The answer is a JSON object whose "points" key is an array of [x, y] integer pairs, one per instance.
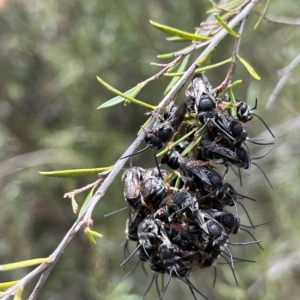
{"points": [[179, 219]]}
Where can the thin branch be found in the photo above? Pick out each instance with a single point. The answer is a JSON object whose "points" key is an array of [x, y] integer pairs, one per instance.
{"points": [[87, 187], [232, 66], [164, 70], [85, 218], [280, 20], [286, 72]]}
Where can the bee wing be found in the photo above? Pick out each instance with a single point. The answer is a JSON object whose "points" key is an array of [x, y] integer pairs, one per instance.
{"points": [[189, 164], [200, 220], [201, 174], [178, 116], [225, 152]]}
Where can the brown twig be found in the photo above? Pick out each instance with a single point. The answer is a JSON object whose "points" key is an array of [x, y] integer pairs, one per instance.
{"points": [[232, 66], [85, 218], [285, 74]]}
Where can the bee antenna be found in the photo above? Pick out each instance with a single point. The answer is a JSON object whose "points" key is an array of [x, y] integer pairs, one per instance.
{"points": [[135, 152], [255, 106], [191, 285], [246, 213], [256, 143], [116, 211], [255, 225], [230, 255], [244, 244], [130, 256], [232, 270], [143, 266], [215, 276], [132, 269], [240, 176], [156, 284], [253, 238], [264, 124], [239, 259], [149, 287], [243, 196], [263, 174], [164, 290], [256, 158], [157, 166]]}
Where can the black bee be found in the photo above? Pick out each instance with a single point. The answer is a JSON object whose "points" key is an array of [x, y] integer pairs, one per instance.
{"points": [[147, 233], [245, 114], [204, 101], [132, 179], [171, 158], [208, 182], [163, 131], [153, 190], [230, 223], [133, 222]]}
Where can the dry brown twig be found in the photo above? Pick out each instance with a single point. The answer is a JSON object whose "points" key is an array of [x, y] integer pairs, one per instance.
{"points": [[85, 219]]}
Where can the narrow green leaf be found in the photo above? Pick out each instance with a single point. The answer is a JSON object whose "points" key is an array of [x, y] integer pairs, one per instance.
{"points": [[24, 264], [224, 25], [176, 39], [7, 285], [116, 100], [167, 149], [181, 68], [235, 84], [177, 183], [115, 91], [207, 59], [228, 6], [233, 102], [87, 201], [18, 295], [200, 70], [249, 68], [263, 14], [179, 33], [92, 234], [75, 173], [191, 146]]}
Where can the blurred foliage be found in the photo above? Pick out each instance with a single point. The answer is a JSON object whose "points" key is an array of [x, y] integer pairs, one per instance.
{"points": [[50, 54]]}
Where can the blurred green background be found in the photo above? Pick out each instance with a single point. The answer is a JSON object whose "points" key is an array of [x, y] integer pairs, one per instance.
{"points": [[50, 54]]}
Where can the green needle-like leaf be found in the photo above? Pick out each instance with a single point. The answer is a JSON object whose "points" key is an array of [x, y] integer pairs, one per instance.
{"points": [[224, 25], [228, 6], [207, 59], [176, 39], [115, 91], [75, 173], [87, 201], [175, 144], [249, 68], [181, 68], [182, 34], [116, 100], [202, 69], [18, 295], [6, 285], [235, 84], [24, 264], [92, 234], [233, 102], [263, 14]]}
